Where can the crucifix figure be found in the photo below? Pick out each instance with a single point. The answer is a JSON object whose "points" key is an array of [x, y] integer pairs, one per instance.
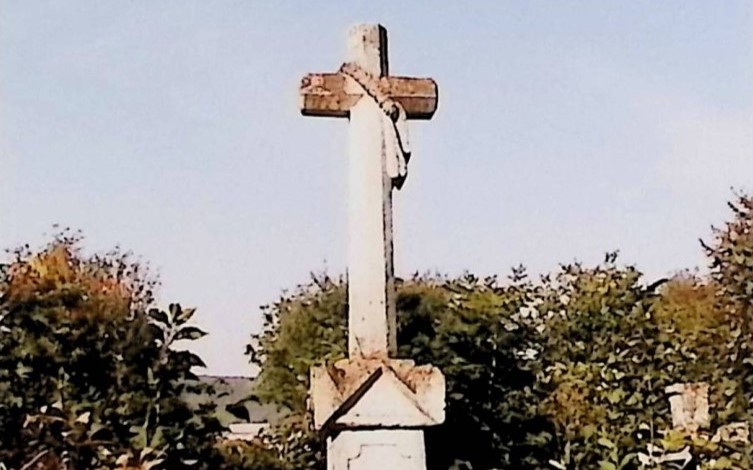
{"points": [[378, 107], [372, 407]]}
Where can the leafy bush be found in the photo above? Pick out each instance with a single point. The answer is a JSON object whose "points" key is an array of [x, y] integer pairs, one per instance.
{"points": [[568, 370], [565, 371], [89, 377]]}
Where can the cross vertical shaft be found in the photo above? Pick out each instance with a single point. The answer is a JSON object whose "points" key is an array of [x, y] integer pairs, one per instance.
{"points": [[364, 92], [371, 279]]}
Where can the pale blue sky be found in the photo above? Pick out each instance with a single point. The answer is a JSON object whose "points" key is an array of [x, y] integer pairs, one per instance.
{"points": [[565, 129]]}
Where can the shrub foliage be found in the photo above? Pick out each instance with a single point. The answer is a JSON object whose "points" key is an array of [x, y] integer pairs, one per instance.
{"points": [[89, 377], [568, 370]]}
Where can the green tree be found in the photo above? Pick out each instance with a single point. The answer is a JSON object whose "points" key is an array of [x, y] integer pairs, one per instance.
{"points": [[567, 371], [730, 253], [89, 377]]}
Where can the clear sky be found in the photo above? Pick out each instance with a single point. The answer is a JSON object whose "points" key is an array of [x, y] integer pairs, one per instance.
{"points": [[564, 129]]}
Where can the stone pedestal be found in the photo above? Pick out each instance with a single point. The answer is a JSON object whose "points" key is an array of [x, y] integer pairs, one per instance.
{"points": [[401, 449], [689, 403], [373, 410]]}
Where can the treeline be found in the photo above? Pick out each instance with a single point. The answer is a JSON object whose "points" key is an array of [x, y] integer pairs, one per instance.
{"points": [[89, 378], [566, 370]]}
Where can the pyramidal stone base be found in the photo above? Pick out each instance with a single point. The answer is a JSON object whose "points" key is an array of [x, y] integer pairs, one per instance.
{"points": [[373, 412], [376, 393]]}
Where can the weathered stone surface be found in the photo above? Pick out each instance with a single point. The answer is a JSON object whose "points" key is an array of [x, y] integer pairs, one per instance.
{"points": [[372, 320], [690, 405], [385, 393], [733, 432], [371, 297], [328, 94], [656, 457], [401, 449]]}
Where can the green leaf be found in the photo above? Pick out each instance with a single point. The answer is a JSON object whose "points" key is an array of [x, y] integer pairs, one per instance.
{"points": [[175, 311], [159, 316], [189, 359], [189, 332], [184, 315], [239, 410], [604, 442]]}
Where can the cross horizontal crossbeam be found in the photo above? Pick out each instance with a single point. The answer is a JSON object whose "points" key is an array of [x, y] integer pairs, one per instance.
{"points": [[328, 94]]}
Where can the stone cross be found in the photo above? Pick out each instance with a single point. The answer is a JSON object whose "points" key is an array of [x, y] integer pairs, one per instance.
{"points": [[371, 406], [371, 279]]}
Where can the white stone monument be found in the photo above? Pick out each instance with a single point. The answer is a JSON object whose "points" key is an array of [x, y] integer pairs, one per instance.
{"points": [[689, 403], [371, 406]]}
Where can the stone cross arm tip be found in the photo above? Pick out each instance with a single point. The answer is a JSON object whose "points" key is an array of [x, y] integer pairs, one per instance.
{"points": [[328, 94]]}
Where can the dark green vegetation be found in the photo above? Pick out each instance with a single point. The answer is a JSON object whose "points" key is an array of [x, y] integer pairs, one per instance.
{"points": [[89, 377], [564, 371], [567, 370]]}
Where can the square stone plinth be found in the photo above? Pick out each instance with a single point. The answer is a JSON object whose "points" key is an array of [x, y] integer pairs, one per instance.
{"points": [[377, 393], [689, 403], [393, 449]]}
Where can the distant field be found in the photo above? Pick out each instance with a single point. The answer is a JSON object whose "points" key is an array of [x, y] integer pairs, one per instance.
{"points": [[231, 390]]}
